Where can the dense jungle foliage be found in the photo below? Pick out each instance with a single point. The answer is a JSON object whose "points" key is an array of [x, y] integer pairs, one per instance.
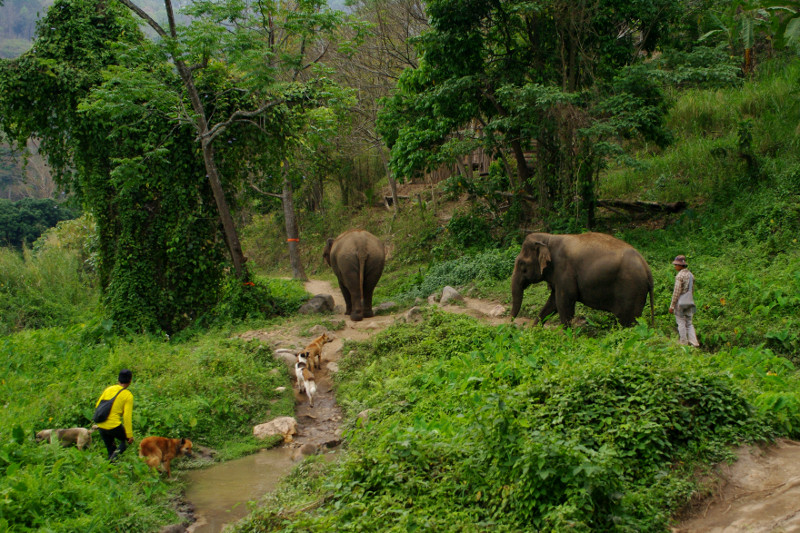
{"points": [[470, 427]]}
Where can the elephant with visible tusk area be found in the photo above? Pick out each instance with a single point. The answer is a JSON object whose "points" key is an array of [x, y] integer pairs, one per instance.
{"points": [[598, 270]]}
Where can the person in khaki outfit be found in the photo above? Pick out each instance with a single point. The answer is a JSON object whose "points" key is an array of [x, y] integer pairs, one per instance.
{"points": [[118, 425], [684, 284]]}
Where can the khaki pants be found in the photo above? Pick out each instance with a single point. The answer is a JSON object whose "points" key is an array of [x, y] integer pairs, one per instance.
{"points": [[685, 326]]}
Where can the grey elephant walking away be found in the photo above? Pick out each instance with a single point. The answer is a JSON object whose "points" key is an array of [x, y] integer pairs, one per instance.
{"points": [[598, 270], [357, 258]]}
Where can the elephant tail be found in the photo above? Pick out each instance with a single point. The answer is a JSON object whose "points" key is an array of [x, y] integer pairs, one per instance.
{"points": [[652, 308], [362, 265]]}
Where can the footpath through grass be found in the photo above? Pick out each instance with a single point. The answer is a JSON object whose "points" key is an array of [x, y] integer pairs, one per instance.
{"points": [[472, 427]]}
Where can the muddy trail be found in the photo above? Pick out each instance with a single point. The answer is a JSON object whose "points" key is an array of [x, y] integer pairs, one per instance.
{"points": [[760, 493], [319, 427]]}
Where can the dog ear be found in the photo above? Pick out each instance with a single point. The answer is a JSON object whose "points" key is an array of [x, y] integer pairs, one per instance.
{"points": [[183, 441]]}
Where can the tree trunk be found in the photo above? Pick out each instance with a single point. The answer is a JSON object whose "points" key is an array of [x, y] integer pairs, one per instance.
{"points": [[292, 234], [392, 182], [228, 226], [201, 124]]}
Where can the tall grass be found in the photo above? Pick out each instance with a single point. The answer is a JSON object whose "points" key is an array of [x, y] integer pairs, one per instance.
{"points": [[46, 288], [211, 388], [708, 126]]}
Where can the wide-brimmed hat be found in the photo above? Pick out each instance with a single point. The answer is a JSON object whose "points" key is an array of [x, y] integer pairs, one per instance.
{"points": [[680, 261]]}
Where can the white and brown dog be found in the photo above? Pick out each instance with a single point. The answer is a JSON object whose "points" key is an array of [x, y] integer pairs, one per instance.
{"points": [[305, 378], [79, 437]]}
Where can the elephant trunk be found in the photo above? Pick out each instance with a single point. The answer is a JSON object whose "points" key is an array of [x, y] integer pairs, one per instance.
{"points": [[517, 289]]}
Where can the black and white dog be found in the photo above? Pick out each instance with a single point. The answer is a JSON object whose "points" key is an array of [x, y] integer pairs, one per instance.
{"points": [[305, 379]]}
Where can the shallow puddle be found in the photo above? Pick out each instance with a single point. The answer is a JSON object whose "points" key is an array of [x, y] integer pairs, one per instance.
{"points": [[220, 493]]}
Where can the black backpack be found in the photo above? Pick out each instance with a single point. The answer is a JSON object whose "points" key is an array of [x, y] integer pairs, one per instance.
{"points": [[104, 408]]}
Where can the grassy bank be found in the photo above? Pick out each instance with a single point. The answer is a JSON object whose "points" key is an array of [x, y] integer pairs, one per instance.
{"points": [[210, 387], [474, 427]]}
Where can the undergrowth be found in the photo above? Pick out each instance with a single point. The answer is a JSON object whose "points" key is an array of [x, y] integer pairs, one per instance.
{"points": [[472, 427], [209, 388]]}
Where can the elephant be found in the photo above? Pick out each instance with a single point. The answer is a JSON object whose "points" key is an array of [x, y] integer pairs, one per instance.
{"points": [[357, 258], [598, 270]]}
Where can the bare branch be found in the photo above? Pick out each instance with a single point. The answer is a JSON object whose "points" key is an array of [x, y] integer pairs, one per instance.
{"points": [[144, 16], [265, 193]]}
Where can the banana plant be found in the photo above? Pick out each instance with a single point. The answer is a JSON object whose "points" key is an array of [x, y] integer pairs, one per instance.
{"points": [[741, 21]]}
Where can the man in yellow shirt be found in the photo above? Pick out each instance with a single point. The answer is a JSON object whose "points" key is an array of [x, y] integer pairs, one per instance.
{"points": [[118, 425]]}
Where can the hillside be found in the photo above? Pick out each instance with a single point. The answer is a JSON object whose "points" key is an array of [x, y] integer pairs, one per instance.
{"points": [[471, 424]]}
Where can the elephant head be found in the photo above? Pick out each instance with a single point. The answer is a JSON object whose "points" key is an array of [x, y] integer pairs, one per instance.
{"points": [[326, 254], [529, 268]]}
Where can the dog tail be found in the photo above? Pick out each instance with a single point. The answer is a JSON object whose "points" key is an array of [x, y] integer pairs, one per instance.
{"points": [[311, 390], [94, 427]]}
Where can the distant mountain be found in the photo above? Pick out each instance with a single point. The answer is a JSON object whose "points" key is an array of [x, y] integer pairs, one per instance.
{"points": [[18, 20]]}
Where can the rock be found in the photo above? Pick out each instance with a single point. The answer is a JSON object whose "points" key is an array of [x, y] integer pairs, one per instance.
{"points": [[432, 299], [332, 367], [274, 372], [450, 295], [383, 307], [413, 315], [307, 450], [280, 389], [363, 417], [318, 330], [320, 303], [284, 425], [287, 357], [497, 311]]}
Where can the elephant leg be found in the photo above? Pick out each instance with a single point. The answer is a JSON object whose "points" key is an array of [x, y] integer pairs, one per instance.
{"points": [[356, 308], [347, 298], [370, 281], [566, 308], [548, 309]]}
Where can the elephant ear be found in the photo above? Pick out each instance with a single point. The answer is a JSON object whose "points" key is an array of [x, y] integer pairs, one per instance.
{"points": [[544, 256], [326, 254]]}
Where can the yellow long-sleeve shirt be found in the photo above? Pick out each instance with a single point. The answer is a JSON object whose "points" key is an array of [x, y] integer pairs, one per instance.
{"points": [[121, 411]]}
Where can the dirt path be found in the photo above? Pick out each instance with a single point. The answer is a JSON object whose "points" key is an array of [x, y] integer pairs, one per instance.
{"points": [[760, 493]]}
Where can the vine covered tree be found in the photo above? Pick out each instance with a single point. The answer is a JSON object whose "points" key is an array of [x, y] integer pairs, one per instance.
{"points": [[158, 137]]}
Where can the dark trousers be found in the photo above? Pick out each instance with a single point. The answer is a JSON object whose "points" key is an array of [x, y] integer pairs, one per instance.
{"points": [[109, 438]]}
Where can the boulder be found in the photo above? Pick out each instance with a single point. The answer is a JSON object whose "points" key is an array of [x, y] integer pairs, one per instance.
{"points": [[286, 426], [450, 295], [497, 311], [383, 307], [318, 330], [413, 315], [320, 303], [287, 356]]}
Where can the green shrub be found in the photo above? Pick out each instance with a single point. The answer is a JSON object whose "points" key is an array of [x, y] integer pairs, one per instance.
{"points": [[474, 427], [486, 266], [210, 389]]}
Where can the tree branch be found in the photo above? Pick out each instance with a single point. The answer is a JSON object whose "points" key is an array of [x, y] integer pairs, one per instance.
{"points": [[144, 16], [219, 128]]}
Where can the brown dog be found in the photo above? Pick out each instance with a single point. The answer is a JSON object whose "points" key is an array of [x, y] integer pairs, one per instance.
{"points": [[314, 351], [161, 450], [80, 437]]}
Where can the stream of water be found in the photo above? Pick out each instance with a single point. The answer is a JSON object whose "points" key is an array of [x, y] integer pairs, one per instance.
{"points": [[220, 493]]}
